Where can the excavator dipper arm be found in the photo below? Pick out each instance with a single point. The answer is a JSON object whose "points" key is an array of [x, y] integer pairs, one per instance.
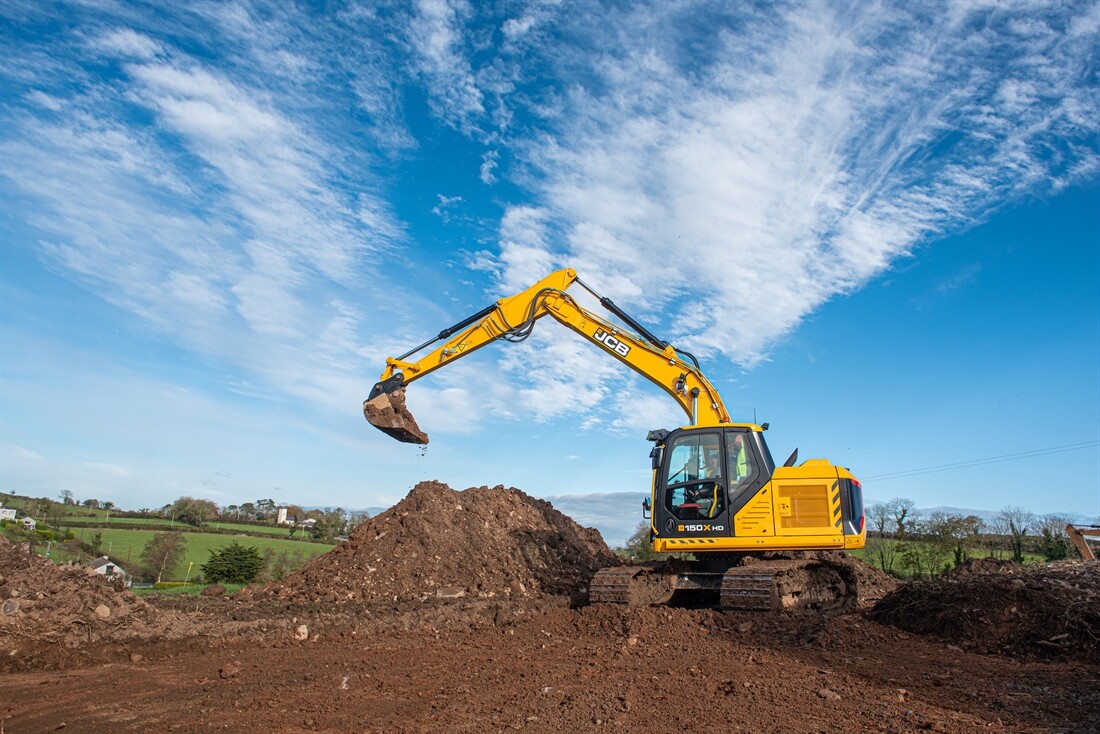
{"points": [[512, 319]]}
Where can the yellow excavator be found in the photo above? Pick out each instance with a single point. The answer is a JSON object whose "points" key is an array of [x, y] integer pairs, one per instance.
{"points": [[762, 537]]}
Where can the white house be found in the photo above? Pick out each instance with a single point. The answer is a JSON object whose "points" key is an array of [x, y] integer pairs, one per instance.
{"points": [[29, 523], [109, 568], [7, 513]]}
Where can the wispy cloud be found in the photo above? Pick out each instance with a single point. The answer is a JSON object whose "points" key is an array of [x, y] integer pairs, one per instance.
{"points": [[726, 197], [228, 172], [203, 193], [440, 43], [815, 150]]}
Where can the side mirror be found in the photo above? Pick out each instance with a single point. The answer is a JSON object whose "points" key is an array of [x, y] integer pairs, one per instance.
{"points": [[645, 508], [656, 455]]}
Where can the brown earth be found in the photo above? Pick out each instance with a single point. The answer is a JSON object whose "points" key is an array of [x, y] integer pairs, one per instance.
{"points": [[362, 640], [997, 606]]}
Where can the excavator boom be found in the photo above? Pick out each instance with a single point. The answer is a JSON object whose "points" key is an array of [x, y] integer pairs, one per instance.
{"points": [[512, 319]]}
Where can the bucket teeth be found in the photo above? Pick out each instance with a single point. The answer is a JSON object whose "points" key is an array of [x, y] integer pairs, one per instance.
{"points": [[387, 413]]}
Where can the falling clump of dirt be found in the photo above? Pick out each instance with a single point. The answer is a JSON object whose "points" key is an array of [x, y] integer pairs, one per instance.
{"points": [[439, 543], [1050, 609]]}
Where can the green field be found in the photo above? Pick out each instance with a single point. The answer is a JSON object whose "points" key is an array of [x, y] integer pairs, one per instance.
{"points": [[75, 521], [282, 531], [125, 546], [187, 590], [102, 519]]}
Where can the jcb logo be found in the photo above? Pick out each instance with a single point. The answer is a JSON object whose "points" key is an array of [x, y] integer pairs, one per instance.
{"points": [[611, 343], [699, 528]]}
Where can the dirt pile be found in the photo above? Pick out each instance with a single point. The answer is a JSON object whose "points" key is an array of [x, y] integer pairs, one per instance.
{"points": [[872, 583], [1048, 609], [67, 605], [983, 565], [443, 543]]}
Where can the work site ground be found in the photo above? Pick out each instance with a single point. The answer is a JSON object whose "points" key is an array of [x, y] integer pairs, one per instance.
{"points": [[465, 612]]}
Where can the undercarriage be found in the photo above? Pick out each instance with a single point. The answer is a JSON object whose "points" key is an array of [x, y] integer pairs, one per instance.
{"points": [[741, 583]]}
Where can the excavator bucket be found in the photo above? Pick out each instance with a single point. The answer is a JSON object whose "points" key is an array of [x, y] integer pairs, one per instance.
{"points": [[387, 413]]}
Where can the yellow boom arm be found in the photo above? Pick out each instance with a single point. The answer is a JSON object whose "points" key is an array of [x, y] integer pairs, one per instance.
{"points": [[512, 319]]}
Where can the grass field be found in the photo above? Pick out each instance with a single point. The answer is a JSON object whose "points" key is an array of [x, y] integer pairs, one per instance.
{"points": [[125, 546], [188, 590], [279, 530], [77, 520], [102, 519]]}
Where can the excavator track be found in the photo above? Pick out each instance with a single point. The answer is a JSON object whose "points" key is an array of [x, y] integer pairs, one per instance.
{"points": [[759, 586], [788, 585], [635, 586]]}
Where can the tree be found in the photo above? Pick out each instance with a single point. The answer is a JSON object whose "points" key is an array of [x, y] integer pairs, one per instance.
{"points": [[66, 496], [901, 508], [91, 504], [329, 523], [233, 564], [1055, 544], [356, 519], [266, 508], [956, 533], [637, 547], [880, 522], [194, 511], [39, 508], [108, 505], [163, 552], [296, 514], [248, 510], [55, 516], [1020, 522], [997, 536]]}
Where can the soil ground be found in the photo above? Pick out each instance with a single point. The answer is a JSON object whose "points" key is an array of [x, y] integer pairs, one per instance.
{"points": [[469, 623]]}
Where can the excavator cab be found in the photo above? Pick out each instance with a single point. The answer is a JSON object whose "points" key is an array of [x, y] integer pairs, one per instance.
{"points": [[702, 475], [717, 488]]}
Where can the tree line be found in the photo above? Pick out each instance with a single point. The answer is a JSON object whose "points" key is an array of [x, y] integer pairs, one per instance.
{"points": [[320, 524], [905, 541]]}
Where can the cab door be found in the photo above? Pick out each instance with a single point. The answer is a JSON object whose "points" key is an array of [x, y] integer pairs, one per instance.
{"points": [[693, 500]]}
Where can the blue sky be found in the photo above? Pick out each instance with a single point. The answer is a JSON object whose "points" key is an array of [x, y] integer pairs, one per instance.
{"points": [[877, 225]]}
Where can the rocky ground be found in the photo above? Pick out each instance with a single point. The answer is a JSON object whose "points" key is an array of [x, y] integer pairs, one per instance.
{"points": [[464, 611]]}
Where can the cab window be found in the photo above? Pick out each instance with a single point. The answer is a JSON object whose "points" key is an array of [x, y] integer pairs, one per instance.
{"points": [[741, 462], [693, 477]]}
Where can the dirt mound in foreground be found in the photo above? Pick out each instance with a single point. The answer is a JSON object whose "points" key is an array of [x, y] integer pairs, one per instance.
{"points": [[442, 543], [1043, 609], [67, 605]]}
